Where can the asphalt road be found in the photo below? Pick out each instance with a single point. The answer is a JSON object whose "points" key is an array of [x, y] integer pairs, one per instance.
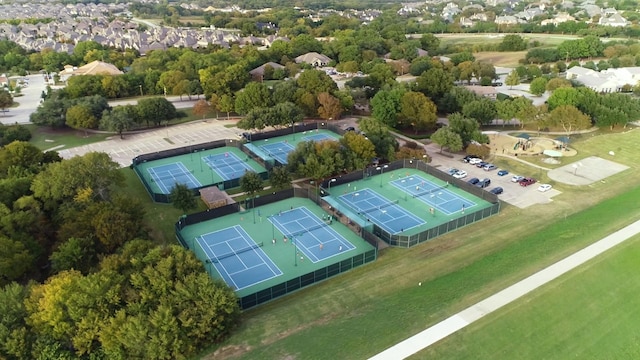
{"points": [[29, 101]]}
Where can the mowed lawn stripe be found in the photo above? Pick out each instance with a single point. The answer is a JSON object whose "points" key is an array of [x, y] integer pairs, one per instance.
{"points": [[589, 313]]}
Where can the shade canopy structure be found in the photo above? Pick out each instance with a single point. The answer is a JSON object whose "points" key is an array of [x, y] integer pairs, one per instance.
{"points": [[524, 136], [552, 153], [563, 139]]}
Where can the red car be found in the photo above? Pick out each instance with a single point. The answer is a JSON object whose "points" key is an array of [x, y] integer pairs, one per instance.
{"points": [[527, 181]]}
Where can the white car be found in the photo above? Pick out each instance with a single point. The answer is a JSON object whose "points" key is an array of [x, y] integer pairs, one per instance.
{"points": [[475, 161], [460, 174], [516, 178], [544, 187]]}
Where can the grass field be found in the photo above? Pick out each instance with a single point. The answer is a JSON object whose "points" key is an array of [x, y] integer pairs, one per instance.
{"points": [[590, 313], [365, 311], [46, 138]]}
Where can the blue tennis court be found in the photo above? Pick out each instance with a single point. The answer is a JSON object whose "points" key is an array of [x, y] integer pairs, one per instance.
{"points": [[167, 176], [278, 150], [381, 211], [436, 196], [228, 165], [315, 238], [237, 258], [318, 137]]}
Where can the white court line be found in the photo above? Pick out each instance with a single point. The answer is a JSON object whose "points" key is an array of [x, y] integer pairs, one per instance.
{"points": [[439, 331]]}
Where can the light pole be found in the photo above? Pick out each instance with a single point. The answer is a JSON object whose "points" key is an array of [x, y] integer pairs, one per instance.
{"points": [[293, 126], [253, 207], [381, 169], [295, 251], [141, 93], [329, 187]]}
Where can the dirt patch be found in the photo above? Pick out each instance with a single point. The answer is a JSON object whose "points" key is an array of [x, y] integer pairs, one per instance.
{"points": [[228, 352], [586, 171]]}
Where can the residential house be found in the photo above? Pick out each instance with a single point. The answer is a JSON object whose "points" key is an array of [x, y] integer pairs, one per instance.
{"points": [[314, 59], [257, 74], [484, 91], [615, 20], [558, 19]]}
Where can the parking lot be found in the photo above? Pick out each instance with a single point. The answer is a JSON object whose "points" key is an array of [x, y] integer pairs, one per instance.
{"points": [[513, 194]]}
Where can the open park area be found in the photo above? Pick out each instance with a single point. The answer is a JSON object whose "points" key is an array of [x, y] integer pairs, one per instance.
{"points": [[383, 300]]}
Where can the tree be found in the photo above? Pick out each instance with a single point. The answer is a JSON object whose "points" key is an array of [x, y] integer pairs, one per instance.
{"points": [[254, 95], [226, 104], [384, 142], [182, 198], [434, 83], [483, 110], [512, 79], [202, 107], [5, 100], [156, 110], [512, 43], [16, 338], [557, 83], [386, 105], [316, 82], [429, 42], [563, 96], [74, 254], [15, 260], [445, 137], [361, 150], [330, 107], [119, 120], [538, 86], [251, 183], [50, 113], [62, 181], [569, 118], [418, 111], [279, 177], [468, 129]]}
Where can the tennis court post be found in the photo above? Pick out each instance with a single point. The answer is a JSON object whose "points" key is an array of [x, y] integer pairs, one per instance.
{"points": [[295, 251], [381, 168]]}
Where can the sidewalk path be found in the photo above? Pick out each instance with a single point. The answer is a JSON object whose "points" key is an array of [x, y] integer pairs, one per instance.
{"points": [[460, 320]]}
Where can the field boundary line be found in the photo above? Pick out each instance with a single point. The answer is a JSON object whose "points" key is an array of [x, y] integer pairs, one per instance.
{"points": [[439, 331]]}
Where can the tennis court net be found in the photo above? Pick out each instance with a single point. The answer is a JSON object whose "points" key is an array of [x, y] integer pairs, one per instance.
{"points": [[430, 191], [181, 176], [379, 207], [307, 230], [217, 259]]}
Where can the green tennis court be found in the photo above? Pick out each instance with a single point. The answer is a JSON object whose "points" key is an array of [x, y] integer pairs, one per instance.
{"points": [[201, 168], [276, 248], [278, 148], [406, 202]]}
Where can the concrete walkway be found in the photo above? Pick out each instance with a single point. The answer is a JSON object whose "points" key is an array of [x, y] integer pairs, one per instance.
{"points": [[460, 320]]}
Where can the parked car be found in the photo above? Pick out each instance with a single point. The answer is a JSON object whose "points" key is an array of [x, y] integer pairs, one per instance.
{"points": [[544, 187], [517, 178], [489, 167], [496, 190], [474, 161], [502, 172], [473, 181], [481, 164], [484, 183], [527, 181], [452, 171], [460, 174], [468, 158], [350, 128]]}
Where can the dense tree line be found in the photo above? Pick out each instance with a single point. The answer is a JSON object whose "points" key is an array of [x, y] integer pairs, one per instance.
{"points": [[109, 293]]}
